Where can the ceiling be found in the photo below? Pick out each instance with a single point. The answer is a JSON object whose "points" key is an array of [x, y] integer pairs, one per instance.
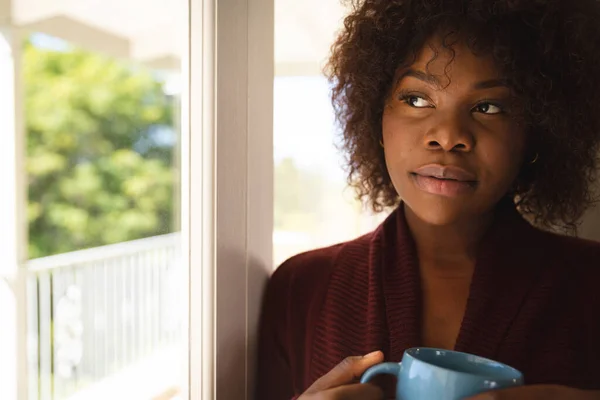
{"points": [[304, 29]]}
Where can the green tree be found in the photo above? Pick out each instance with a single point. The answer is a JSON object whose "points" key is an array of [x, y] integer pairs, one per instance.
{"points": [[99, 151]]}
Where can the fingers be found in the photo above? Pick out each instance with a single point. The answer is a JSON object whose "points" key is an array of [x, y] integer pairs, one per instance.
{"points": [[346, 372]]}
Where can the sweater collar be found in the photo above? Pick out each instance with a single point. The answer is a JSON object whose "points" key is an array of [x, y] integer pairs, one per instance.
{"points": [[373, 297], [507, 265]]}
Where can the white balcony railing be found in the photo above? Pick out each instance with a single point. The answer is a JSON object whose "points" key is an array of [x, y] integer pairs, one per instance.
{"points": [[100, 313]]}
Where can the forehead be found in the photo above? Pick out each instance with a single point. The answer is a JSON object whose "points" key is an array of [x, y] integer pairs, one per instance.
{"points": [[455, 61]]}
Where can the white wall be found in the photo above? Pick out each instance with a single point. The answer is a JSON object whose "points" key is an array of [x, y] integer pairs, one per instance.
{"points": [[590, 228]]}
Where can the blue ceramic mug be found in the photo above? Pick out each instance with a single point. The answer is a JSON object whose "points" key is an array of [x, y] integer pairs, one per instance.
{"points": [[436, 374]]}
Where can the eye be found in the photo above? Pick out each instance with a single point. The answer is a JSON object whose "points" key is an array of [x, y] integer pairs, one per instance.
{"points": [[415, 101], [488, 108]]}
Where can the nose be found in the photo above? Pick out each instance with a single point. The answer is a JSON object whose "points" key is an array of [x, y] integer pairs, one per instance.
{"points": [[450, 133]]}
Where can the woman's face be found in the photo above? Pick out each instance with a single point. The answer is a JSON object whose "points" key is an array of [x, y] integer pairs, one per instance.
{"points": [[453, 148]]}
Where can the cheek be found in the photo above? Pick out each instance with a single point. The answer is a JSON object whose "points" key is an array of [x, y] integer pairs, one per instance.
{"points": [[399, 137], [503, 159], [399, 147]]}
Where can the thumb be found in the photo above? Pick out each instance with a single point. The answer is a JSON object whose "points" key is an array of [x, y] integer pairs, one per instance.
{"points": [[350, 369]]}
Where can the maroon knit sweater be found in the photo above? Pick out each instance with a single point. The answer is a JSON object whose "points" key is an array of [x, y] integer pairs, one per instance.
{"points": [[534, 304]]}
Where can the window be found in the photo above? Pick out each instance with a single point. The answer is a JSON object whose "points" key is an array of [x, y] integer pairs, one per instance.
{"points": [[313, 206], [111, 247], [98, 112]]}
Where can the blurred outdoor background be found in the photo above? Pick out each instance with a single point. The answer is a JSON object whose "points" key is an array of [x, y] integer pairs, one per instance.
{"points": [[98, 102], [103, 182], [313, 205], [101, 148]]}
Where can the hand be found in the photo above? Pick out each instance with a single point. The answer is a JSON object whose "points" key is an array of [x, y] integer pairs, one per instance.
{"points": [[341, 382], [539, 392]]}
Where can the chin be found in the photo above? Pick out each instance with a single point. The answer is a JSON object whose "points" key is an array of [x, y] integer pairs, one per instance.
{"points": [[439, 211]]}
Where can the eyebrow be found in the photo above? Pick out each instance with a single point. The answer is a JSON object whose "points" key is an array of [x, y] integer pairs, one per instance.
{"points": [[434, 81]]}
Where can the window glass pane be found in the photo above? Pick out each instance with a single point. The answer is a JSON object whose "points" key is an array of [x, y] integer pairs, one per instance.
{"points": [[313, 205], [102, 94]]}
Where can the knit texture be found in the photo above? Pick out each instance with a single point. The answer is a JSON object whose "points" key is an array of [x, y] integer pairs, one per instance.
{"points": [[533, 304]]}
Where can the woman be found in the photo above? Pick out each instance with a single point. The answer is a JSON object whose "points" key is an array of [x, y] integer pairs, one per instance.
{"points": [[465, 117]]}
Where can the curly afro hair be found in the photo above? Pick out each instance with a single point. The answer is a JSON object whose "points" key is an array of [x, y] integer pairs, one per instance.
{"points": [[548, 50]]}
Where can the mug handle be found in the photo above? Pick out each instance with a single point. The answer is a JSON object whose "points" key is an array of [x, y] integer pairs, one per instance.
{"points": [[387, 368]]}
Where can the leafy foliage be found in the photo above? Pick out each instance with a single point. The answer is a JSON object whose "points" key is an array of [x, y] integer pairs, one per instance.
{"points": [[100, 142]]}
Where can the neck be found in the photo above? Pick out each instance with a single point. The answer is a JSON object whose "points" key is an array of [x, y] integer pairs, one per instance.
{"points": [[451, 249]]}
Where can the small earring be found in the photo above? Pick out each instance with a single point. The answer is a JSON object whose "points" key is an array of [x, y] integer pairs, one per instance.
{"points": [[381, 143], [535, 158]]}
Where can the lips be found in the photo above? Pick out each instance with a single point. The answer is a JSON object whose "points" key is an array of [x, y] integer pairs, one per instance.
{"points": [[444, 180], [448, 172]]}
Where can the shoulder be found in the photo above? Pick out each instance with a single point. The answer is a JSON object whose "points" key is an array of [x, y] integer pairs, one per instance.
{"points": [[578, 262], [577, 254], [311, 270], [575, 262], [300, 283], [291, 306]]}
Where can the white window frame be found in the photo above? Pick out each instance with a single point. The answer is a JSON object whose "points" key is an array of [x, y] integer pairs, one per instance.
{"points": [[229, 205], [13, 338]]}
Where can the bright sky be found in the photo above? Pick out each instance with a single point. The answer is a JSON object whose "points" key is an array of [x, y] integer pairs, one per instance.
{"points": [[304, 124]]}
